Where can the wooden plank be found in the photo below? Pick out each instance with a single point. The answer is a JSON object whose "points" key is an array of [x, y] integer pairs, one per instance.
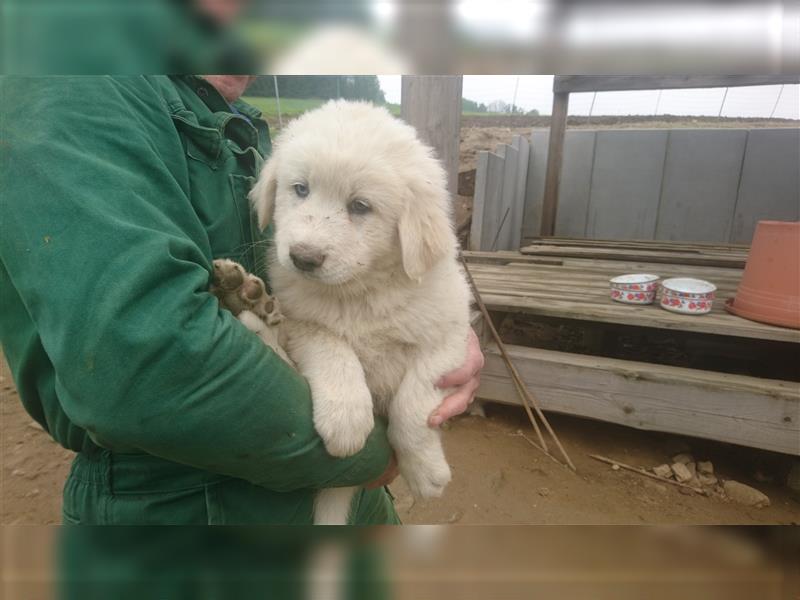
{"points": [[545, 267], [719, 259], [432, 104], [479, 201], [679, 246], [518, 206], [575, 188], [626, 184], [718, 323], [478, 257], [534, 188], [749, 411], [491, 206], [555, 156], [770, 186], [603, 83], [579, 290], [701, 181], [502, 235]]}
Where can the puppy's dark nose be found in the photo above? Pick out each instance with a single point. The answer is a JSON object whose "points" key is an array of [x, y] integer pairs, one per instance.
{"points": [[306, 258]]}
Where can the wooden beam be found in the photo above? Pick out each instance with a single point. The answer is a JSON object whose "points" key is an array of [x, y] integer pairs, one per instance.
{"points": [[432, 104], [505, 257], [555, 156], [710, 258], [760, 413], [601, 83]]}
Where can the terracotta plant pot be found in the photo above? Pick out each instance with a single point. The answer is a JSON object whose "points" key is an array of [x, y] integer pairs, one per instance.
{"points": [[770, 288]]}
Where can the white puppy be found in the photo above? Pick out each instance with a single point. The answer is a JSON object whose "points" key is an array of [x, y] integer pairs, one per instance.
{"points": [[365, 267]]}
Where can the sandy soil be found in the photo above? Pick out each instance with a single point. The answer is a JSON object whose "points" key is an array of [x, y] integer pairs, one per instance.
{"points": [[32, 466], [499, 478]]}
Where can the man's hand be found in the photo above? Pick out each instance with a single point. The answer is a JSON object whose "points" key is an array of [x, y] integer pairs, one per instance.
{"points": [[465, 379]]}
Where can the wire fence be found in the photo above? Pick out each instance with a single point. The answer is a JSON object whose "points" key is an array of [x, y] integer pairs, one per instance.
{"points": [[533, 93], [529, 92]]}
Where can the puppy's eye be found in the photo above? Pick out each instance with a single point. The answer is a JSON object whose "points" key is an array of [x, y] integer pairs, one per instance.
{"points": [[301, 189], [358, 207]]}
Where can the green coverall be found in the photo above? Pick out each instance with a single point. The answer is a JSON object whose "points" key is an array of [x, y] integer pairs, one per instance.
{"points": [[117, 193]]}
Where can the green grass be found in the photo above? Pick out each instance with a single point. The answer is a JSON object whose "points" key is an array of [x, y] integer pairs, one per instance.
{"points": [[292, 107]]}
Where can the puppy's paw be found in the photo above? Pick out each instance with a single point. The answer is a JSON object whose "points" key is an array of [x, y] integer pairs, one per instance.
{"points": [[345, 429], [238, 290], [426, 478], [228, 275]]}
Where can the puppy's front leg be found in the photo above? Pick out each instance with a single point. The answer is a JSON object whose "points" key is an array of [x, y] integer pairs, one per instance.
{"points": [[343, 411], [420, 456]]}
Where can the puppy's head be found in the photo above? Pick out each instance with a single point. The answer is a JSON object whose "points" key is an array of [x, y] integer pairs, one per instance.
{"points": [[352, 190]]}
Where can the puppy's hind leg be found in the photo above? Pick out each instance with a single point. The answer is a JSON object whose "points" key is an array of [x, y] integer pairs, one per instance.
{"points": [[332, 505]]}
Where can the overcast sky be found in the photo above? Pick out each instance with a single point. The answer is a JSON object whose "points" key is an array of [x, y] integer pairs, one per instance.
{"points": [[535, 91]]}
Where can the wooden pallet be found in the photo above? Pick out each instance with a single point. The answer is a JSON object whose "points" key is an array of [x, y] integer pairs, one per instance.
{"points": [[749, 411], [579, 289], [760, 413]]}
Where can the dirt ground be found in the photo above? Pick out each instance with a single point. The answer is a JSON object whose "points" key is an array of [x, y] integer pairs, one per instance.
{"points": [[498, 477]]}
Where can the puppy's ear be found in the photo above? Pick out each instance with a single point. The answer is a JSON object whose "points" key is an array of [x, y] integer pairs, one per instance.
{"points": [[426, 234], [262, 196]]}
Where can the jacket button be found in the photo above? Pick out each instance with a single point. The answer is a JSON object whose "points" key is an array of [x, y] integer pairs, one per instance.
{"points": [[202, 92]]}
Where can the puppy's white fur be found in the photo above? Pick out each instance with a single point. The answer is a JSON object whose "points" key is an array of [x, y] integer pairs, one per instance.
{"points": [[387, 312]]}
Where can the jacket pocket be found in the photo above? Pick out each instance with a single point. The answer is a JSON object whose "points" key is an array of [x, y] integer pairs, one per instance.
{"points": [[203, 144]]}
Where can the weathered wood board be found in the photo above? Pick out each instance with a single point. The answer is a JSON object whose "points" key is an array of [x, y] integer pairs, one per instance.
{"points": [[770, 186], [576, 183], [742, 410], [534, 189], [491, 206], [518, 205], [714, 258], [626, 184], [701, 182], [503, 235], [578, 289], [696, 185], [432, 104]]}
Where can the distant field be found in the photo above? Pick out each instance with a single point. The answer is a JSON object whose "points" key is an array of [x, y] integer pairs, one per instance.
{"points": [[292, 107]]}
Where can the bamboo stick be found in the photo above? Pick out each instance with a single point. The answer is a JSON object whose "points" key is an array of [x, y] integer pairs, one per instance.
{"points": [[528, 399], [645, 473]]}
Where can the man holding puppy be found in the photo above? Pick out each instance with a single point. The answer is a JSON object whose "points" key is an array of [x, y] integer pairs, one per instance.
{"points": [[118, 194]]}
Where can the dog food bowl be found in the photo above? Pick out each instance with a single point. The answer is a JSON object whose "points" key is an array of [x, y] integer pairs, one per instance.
{"points": [[687, 296], [636, 288]]}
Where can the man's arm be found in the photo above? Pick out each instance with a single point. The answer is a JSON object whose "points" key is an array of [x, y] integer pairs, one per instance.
{"points": [[113, 264]]}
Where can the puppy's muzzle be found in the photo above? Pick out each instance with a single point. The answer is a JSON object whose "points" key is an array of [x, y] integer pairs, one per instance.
{"points": [[306, 258]]}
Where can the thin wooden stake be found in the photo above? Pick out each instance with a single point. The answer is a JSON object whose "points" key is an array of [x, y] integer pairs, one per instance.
{"points": [[518, 384], [528, 399], [645, 473]]}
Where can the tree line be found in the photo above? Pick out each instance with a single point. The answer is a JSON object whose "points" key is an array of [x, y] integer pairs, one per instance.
{"points": [[326, 87]]}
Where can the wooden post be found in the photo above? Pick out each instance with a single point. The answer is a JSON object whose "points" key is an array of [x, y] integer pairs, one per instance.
{"points": [[555, 155], [432, 104]]}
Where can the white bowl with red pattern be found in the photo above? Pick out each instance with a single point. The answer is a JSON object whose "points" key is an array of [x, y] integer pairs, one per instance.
{"points": [[687, 296], [635, 288]]}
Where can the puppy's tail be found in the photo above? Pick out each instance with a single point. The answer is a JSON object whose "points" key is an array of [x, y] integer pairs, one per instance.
{"points": [[332, 506]]}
